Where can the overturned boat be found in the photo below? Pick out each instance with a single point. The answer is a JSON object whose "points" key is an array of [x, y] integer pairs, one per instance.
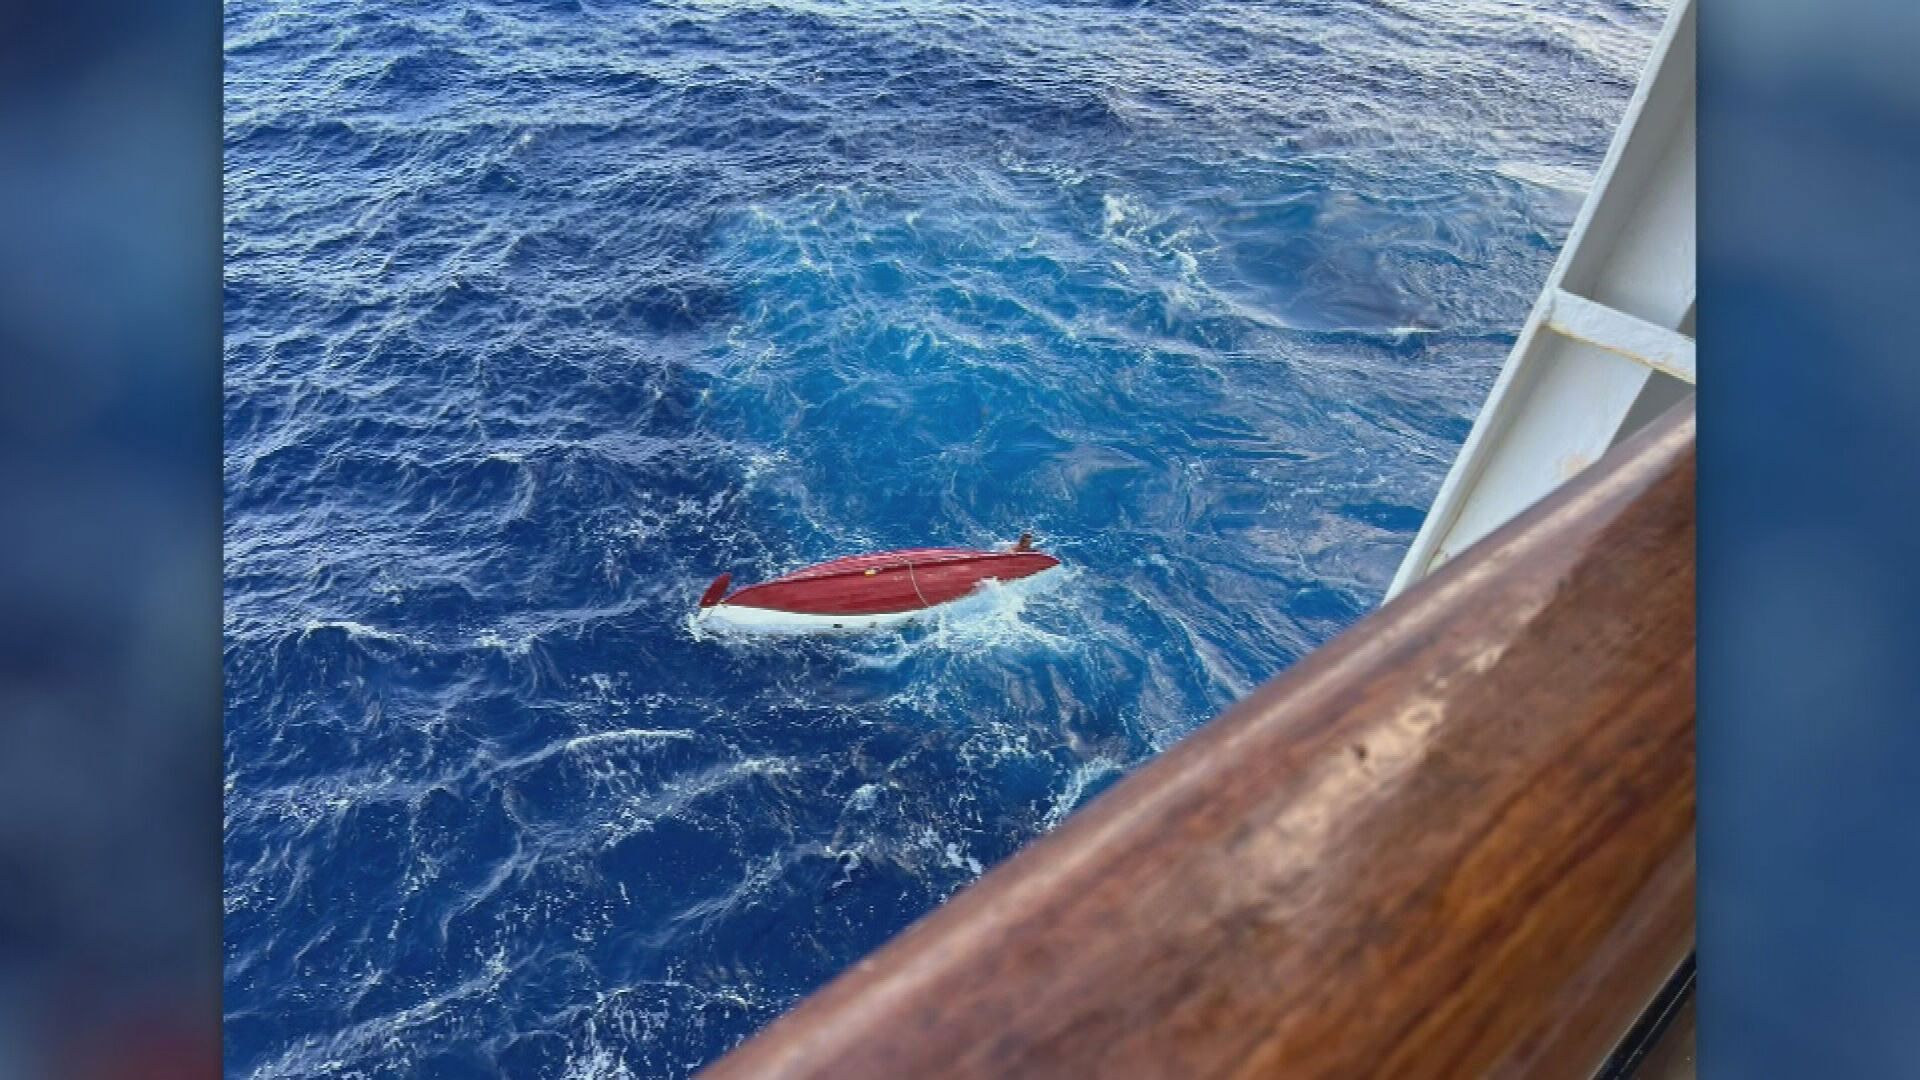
{"points": [[862, 592]]}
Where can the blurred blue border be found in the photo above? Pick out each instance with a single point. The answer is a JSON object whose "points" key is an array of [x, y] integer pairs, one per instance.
{"points": [[1809, 768], [109, 539]]}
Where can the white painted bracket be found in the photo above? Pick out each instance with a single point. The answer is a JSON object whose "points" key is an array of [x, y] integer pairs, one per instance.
{"points": [[1582, 320]]}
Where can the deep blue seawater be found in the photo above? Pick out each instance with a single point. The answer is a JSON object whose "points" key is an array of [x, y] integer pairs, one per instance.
{"points": [[539, 315]]}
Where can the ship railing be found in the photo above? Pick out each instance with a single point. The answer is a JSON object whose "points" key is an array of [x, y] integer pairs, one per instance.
{"points": [[1457, 840]]}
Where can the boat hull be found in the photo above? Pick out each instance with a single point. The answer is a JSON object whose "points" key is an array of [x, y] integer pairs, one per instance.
{"points": [[865, 592]]}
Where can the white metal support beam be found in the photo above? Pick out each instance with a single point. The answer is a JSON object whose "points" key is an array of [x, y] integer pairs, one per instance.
{"points": [[1603, 345], [1580, 319]]}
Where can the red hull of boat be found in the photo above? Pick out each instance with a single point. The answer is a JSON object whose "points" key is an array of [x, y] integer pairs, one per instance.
{"points": [[890, 582]]}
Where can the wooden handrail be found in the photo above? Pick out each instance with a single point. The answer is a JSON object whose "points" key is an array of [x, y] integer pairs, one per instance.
{"points": [[1455, 841]]}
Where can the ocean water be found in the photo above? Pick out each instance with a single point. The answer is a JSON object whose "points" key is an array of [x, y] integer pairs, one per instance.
{"points": [[541, 314]]}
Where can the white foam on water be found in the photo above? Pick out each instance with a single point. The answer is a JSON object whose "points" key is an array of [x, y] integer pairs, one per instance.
{"points": [[1068, 799], [862, 797], [357, 630], [510, 646], [390, 1037], [638, 811], [1566, 179], [626, 735], [760, 875]]}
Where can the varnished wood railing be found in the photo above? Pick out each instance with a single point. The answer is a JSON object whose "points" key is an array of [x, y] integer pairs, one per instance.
{"points": [[1456, 841]]}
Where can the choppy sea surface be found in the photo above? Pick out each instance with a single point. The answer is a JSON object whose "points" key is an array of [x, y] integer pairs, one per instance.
{"points": [[540, 315]]}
